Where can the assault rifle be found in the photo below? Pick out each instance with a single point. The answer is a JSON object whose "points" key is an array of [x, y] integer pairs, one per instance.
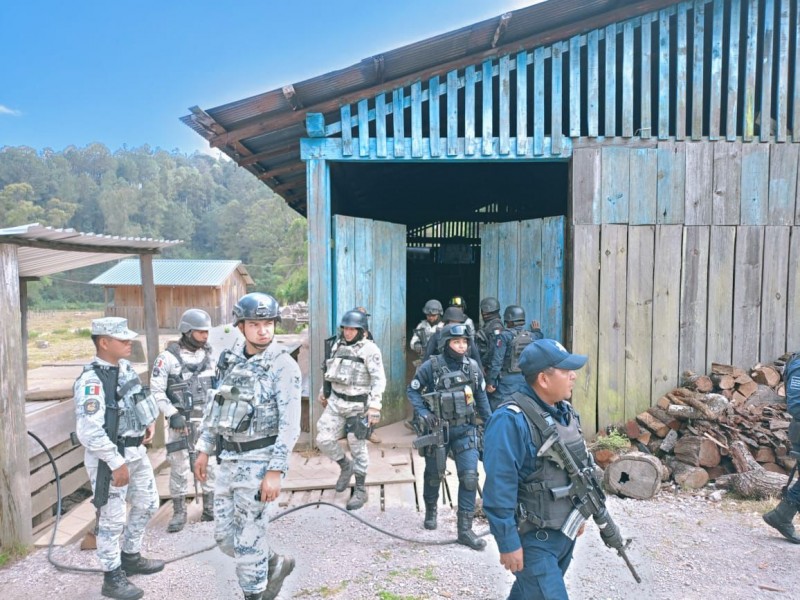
{"points": [[186, 442], [108, 377], [435, 442], [326, 385], [588, 499]]}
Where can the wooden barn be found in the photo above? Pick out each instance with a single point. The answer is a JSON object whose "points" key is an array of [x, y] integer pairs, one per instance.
{"points": [[212, 285], [625, 170]]}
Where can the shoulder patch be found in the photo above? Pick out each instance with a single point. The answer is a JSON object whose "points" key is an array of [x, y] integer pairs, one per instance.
{"points": [[91, 406], [794, 382], [415, 384], [91, 389]]}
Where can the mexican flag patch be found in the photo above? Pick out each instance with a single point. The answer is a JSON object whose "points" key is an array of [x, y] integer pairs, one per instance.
{"points": [[91, 390]]}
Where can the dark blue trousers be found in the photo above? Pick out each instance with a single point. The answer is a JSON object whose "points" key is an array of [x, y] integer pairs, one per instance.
{"points": [[546, 556], [463, 447]]}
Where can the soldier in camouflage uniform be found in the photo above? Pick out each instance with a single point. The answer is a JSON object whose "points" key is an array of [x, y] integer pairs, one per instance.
{"points": [[357, 381], [131, 473], [180, 381], [427, 327], [253, 422]]}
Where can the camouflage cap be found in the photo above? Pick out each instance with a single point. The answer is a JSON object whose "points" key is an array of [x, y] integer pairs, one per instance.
{"points": [[115, 327]]}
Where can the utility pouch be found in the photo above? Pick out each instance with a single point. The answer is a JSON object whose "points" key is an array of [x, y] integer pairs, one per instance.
{"points": [[178, 445], [359, 426], [145, 408], [179, 394]]}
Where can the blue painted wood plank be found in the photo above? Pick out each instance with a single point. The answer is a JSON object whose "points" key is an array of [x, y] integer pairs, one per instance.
{"points": [[755, 184], [380, 124], [732, 103], [363, 128], [509, 260], [727, 183], [531, 292], [782, 97], [796, 95], [344, 265], [470, 78], [416, 119], [610, 96], [553, 276], [587, 207], [765, 129], [646, 107], [697, 72], [663, 74], [315, 125], [748, 266], [574, 86], [452, 113], [433, 115], [751, 64], [504, 104], [593, 82], [783, 164], [699, 183], [671, 182], [681, 80], [366, 263], [556, 73], [720, 294], [615, 184], [715, 86], [643, 178], [522, 103], [486, 106], [396, 389], [380, 305], [490, 257], [694, 299], [627, 79], [347, 131], [538, 101], [398, 122]]}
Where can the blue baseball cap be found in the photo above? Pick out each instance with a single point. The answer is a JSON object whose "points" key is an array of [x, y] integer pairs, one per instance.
{"points": [[543, 354]]}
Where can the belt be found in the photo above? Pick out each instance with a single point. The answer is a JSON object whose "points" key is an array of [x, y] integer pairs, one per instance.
{"points": [[131, 442], [360, 398], [232, 446]]}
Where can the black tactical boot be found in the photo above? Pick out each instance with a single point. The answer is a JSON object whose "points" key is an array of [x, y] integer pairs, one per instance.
{"points": [[359, 497], [116, 585], [279, 569], [430, 515], [781, 519], [208, 507], [465, 534], [346, 466], [258, 596], [134, 564], [178, 519]]}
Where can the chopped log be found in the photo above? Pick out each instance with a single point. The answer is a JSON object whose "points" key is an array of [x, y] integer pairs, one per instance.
{"points": [[742, 378], [765, 454], [684, 412], [697, 451], [669, 442], [703, 408], [781, 389], [775, 424], [663, 403], [751, 480], [766, 375], [632, 430], [727, 394], [688, 476], [720, 369], [644, 437], [723, 382], [715, 473], [658, 427], [693, 381], [674, 398], [773, 468], [605, 457], [664, 417], [747, 388], [763, 396], [634, 475]]}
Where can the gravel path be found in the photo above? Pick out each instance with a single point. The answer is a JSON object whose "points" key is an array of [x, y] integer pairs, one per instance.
{"points": [[685, 547]]}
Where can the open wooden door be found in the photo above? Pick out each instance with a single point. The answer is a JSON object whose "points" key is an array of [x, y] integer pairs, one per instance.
{"points": [[522, 262], [369, 270]]}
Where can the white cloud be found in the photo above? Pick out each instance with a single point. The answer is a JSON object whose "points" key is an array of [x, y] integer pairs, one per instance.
{"points": [[4, 110]]}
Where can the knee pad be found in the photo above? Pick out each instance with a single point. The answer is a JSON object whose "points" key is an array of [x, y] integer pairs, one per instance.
{"points": [[434, 483], [469, 479]]}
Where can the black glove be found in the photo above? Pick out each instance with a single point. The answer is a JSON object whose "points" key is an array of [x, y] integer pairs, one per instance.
{"points": [[177, 421], [609, 532], [430, 419]]}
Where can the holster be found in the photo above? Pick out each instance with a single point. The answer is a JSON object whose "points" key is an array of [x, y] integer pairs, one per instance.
{"points": [[359, 426]]}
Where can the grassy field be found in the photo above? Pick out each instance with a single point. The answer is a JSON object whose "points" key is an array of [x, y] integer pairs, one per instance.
{"points": [[62, 335]]}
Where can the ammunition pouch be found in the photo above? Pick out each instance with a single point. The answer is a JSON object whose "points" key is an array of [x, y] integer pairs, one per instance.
{"points": [[230, 411], [359, 426], [347, 370], [145, 407], [177, 445], [455, 406], [179, 394]]}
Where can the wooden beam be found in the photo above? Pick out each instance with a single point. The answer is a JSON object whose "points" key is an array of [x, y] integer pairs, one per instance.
{"points": [[150, 324], [261, 124], [67, 247], [502, 25], [294, 167], [272, 153]]}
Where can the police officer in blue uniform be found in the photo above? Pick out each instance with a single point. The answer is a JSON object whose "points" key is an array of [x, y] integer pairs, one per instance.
{"points": [[534, 527], [782, 515], [448, 393]]}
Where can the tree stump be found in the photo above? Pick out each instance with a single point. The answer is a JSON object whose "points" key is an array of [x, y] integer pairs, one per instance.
{"points": [[751, 480], [634, 475]]}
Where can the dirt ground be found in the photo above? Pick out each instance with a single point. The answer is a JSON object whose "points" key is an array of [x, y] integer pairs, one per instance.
{"points": [[685, 546]]}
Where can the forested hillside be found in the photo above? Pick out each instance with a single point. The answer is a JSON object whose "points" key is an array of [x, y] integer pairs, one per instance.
{"points": [[219, 210]]}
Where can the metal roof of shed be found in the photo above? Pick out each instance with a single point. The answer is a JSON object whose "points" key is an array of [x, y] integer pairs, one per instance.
{"points": [[195, 273], [45, 250], [262, 133]]}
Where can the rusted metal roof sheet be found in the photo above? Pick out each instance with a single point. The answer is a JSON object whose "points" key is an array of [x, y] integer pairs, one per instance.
{"points": [[193, 273], [45, 250], [276, 118]]}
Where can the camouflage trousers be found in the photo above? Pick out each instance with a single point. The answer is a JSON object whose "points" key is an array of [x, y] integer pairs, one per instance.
{"points": [[142, 494], [241, 521], [330, 429], [179, 470]]}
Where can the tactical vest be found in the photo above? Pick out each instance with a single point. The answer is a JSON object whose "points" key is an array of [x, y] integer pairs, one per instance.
{"points": [[791, 374], [424, 334], [485, 338], [543, 498], [189, 393], [136, 409], [453, 400], [521, 339], [345, 367]]}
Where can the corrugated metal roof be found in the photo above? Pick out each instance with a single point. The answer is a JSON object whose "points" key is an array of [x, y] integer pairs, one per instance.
{"points": [[263, 131], [208, 273], [45, 250]]}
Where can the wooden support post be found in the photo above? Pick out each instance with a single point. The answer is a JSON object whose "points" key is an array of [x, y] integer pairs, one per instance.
{"points": [[150, 324], [23, 309], [15, 496]]}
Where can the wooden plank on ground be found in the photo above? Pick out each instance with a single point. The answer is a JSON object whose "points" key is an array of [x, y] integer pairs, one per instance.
{"points": [[666, 307], [639, 319], [747, 295], [399, 495], [73, 526], [720, 294], [773, 294], [694, 299]]}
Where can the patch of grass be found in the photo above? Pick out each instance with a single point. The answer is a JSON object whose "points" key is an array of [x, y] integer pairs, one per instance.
{"points": [[12, 554], [324, 591], [732, 502], [32, 335], [615, 441], [84, 332], [384, 595]]}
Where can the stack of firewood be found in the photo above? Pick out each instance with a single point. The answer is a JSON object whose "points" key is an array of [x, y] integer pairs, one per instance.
{"points": [[726, 422]]}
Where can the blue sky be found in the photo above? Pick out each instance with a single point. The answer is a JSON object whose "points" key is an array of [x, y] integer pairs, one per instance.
{"points": [[122, 72]]}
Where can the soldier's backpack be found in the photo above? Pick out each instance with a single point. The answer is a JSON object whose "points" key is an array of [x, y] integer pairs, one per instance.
{"points": [[518, 343]]}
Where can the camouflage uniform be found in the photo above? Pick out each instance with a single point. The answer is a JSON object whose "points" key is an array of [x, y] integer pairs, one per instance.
{"points": [[167, 365], [270, 381], [418, 344], [90, 405], [369, 382]]}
